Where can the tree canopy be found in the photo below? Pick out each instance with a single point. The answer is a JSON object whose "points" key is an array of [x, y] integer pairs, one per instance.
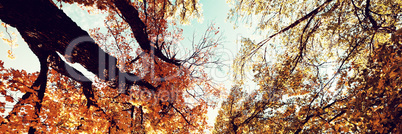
{"points": [[323, 66], [140, 84], [336, 68]]}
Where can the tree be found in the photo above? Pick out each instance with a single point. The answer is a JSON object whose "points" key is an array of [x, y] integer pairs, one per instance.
{"points": [[336, 68], [145, 89]]}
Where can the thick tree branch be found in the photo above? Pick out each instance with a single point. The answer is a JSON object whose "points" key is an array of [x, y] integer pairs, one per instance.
{"points": [[48, 29], [131, 16], [367, 14], [61, 67]]}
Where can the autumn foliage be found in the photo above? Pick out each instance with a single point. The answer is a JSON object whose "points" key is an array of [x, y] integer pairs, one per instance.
{"points": [[167, 93], [323, 66], [329, 66]]}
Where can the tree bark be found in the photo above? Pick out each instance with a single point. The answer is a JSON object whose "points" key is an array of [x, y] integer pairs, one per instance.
{"points": [[131, 16], [47, 29]]}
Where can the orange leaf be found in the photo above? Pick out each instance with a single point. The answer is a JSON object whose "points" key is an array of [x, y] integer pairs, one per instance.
{"points": [[9, 99]]}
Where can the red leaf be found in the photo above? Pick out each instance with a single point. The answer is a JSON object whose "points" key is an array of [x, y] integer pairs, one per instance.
{"points": [[9, 99]]}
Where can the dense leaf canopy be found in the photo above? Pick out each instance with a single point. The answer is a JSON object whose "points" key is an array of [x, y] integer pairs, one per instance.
{"points": [[140, 86], [323, 66], [334, 68]]}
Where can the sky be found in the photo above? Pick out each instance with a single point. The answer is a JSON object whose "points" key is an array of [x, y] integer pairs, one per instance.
{"points": [[214, 11]]}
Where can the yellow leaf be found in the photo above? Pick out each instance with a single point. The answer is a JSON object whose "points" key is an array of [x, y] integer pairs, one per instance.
{"points": [[11, 56], [393, 74]]}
